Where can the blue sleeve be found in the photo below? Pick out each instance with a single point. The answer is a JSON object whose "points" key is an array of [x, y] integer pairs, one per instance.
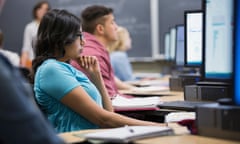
{"points": [[57, 80], [122, 67]]}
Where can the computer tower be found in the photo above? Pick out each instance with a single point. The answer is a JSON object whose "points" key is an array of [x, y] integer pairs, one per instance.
{"points": [[191, 93], [217, 120], [205, 92], [178, 83]]}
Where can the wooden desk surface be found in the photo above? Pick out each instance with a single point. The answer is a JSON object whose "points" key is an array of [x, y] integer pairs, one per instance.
{"points": [[172, 96], [164, 95], [182, 137], [163, 91], [182, 134]]}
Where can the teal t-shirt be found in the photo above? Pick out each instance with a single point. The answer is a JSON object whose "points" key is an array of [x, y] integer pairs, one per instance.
{"points": [[53, 80]]}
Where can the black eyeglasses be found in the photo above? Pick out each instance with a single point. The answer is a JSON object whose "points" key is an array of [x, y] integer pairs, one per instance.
{"points": [[80, 34]]}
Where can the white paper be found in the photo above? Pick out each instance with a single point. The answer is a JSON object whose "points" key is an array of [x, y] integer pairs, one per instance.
{"points": [[122, 102], [179, 116], [129, 133], [151, 89]]}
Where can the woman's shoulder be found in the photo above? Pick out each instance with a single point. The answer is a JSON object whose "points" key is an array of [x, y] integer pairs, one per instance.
{"points": [[53, 66], [118, 54], [32, 25]]}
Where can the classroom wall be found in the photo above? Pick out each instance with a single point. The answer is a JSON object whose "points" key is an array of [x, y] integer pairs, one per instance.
{"points": [[15, 14], [171, 13], [159, 66], [147, 20]]}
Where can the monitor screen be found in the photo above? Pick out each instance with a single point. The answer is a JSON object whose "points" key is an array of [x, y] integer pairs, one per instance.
{"points": [[167, 46], [236, 78], [172, 43], [179, 52], [218, 21], [193, 38]]}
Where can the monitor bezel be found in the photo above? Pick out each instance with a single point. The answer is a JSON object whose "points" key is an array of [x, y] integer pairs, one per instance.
{"points": [[236, 54], [172, 59], [204, 78], [166, 58], [185, 38], [175, 61]]}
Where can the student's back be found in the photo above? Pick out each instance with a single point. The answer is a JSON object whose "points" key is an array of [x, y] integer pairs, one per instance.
{"points": [[118, 54], [121, 65], [20, 120], [30, 32]]}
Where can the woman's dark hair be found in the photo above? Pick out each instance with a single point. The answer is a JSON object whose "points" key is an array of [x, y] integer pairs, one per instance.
{"points": [[57, 29], [38, 6], [94, 15]]}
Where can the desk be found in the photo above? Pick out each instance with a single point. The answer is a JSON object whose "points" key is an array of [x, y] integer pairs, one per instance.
{"points": [[172, 96], [162, 83], [155, 115], [182, 134], [166, 93], [182, 137]]}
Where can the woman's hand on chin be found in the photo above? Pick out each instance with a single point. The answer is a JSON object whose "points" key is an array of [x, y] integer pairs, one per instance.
{"points": [[89, 63]]}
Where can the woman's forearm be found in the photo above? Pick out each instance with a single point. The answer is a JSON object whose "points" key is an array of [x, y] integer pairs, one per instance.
{"points": [[96, 78]]}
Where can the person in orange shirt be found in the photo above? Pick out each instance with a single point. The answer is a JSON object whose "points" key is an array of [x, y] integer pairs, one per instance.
{"points": [[30, 33]]}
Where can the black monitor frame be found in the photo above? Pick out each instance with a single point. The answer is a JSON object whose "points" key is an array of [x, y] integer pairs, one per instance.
{"points": [[236, 55], [227, 81], [172, 59], [185, 38], [177, 64], [166, 57]]}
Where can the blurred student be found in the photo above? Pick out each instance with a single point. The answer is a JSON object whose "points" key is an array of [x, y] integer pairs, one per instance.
{"points": [[30, 33], [69, 99], [100, 30], [12, 56], [119, 58], [20, 120]]}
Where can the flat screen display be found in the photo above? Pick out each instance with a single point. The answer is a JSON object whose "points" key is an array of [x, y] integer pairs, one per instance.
{"points": [[172, 43], [218, 39], [167, 46], [179, 45], [193, 36]]}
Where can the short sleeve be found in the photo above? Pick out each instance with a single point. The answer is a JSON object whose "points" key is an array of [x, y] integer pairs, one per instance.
{"points": [[57, 80]]}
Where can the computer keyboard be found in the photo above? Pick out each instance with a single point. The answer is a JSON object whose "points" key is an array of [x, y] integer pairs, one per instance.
{"points": [[182, 105], [207, 83]]}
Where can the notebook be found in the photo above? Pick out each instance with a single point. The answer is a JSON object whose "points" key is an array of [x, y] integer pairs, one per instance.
{"points": [[148, 91], [121, 103], [151, 89], [128, 134]]}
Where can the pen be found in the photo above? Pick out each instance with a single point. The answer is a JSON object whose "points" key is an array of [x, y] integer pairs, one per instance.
{"points": [[129, 129]]}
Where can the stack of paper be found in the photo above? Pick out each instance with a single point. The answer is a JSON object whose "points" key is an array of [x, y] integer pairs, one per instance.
{"points": [[151, 89], [146, 83], [121, 103], [179, 116], [129, 133]]}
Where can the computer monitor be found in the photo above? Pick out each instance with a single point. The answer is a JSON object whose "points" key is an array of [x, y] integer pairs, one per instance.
{"points": [[193, 38], [179, 51], [172, 42], [218, 40], [236, 57], [167, 46]]}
